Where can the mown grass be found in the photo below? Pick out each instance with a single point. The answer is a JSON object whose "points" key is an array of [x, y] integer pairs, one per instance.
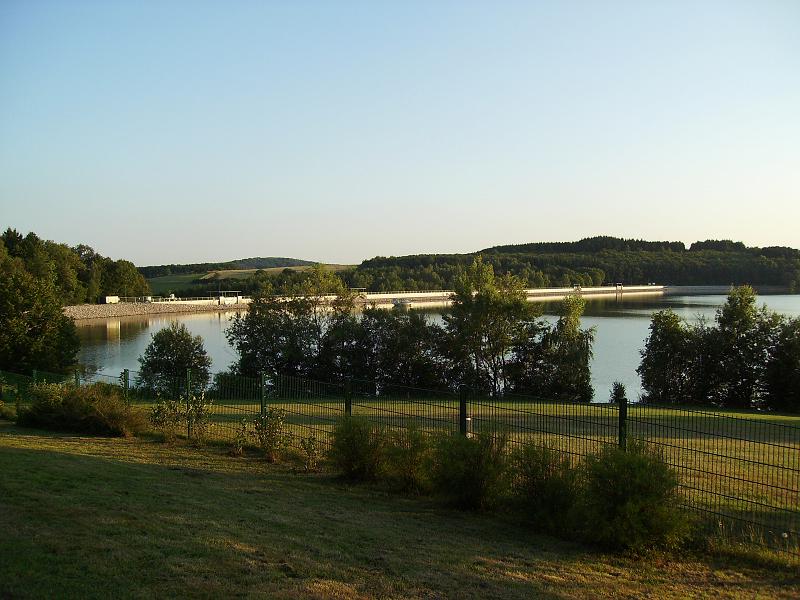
{"points": [[170, 283], [739, 471], [134, 518]]}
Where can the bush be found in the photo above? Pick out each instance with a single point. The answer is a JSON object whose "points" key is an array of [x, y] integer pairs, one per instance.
{"points": [[630, 500], [358, 449], [198, 416], [618, 393], [98, 409], [7, 412], [270, 432], [546, 485], [240, 439], [309, 446], [470, 472], [408, 455], [165, 416]]}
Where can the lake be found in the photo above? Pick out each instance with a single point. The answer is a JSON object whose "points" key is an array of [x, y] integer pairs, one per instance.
{"points": [[112, 345]]}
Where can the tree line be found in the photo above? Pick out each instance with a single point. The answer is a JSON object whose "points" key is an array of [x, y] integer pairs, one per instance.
{"points": [[595, 261], [491, 340], [37, 278], [588, 262], [78, 274], [748, 358]]}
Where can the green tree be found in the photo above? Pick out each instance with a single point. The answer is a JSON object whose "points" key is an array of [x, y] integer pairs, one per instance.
{"points": [[554, 362], [34, 332], [122, 278], [403, 349], [287, 335], [488, 317], [171, 352], [782, 376], [724, 364], [744, 337], [667, 359]]}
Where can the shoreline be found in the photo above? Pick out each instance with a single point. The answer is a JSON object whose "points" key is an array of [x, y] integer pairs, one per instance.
{"points": [[83, 312]]}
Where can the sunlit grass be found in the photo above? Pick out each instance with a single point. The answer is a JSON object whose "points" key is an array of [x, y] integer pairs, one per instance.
{"points": [[97, 517]]}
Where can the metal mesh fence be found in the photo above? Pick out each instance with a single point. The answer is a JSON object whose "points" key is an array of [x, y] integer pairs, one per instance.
{"points": [[738, 470]]}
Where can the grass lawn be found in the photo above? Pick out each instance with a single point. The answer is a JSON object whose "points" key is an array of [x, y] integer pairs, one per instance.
{"points": [[98, 517], [170, 283]]}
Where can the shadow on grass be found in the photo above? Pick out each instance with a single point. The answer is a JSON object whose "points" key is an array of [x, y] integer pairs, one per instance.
{"points": [[95, 517]]}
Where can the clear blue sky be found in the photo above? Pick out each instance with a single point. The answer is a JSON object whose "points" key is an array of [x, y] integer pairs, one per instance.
{"points": [[189, 131]]}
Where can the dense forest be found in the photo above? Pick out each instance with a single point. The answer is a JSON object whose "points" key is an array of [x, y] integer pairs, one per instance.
{"points": [[595, 261], [591, 261], [257, 262], [78, 274]]}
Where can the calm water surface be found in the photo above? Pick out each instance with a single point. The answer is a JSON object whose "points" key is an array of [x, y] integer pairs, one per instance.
{"points": [[112, 345]]}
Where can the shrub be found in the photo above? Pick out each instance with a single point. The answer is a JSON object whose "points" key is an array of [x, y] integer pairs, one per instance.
{"points": [[240, 439], [7, 412], [198, 413], [470, 472], [165, 416], [95, 409], [270, 432], [358, 449], [407, 460], [618, 394], [546, 485], [310, 453], [630, 500]]}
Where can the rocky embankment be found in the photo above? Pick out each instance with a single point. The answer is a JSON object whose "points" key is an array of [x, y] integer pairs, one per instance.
{"points": [[127, 309]]}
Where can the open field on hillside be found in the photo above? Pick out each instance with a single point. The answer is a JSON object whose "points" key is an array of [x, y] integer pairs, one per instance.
{"points": [[170, 283], [98, 517], [245, 273]]}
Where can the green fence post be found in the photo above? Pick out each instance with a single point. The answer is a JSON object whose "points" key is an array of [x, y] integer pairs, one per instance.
{"points": [[462, 410], [622, 427], [263, 394], [126, 383], [348, 397], [188, 403], [33, 375], [77, 379]]}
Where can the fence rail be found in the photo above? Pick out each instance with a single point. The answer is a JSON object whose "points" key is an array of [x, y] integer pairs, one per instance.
{"points": [[738, 470]]}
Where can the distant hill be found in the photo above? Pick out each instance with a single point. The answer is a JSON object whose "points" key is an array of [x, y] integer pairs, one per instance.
{"points": [[593, 244], [593, 261], [258, 262]]}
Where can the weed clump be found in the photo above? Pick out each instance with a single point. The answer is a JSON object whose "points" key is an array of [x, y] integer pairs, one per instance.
{"points": [[310, 447], [240, 439]]}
